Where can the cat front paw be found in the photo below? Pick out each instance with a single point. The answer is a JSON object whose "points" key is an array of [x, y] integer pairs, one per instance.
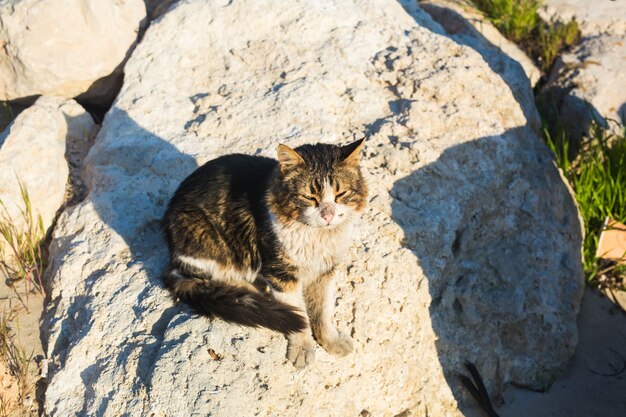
{"points": [[301, 352], [339, 345]]}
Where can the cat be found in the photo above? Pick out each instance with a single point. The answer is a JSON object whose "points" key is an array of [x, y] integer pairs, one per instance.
{"points": [[255, 241]]}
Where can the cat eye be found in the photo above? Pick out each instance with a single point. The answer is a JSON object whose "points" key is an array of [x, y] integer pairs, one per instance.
{"points": [[310, 198], [341, 194]]}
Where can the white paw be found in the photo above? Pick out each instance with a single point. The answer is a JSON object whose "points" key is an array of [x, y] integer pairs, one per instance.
{"points": [[300, 352], [340, 345]]}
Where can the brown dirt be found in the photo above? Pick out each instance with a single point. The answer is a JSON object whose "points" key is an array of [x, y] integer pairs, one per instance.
{"points": [[23, 322]]}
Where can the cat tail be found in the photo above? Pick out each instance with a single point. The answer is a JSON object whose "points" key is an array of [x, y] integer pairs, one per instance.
{"points": [[235, 302]]}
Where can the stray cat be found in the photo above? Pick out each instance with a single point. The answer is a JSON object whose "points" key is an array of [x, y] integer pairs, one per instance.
{"points": [[256, 241]]}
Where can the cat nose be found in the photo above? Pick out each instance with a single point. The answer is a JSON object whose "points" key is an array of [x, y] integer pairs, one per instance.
{"points": [[327, 212]]}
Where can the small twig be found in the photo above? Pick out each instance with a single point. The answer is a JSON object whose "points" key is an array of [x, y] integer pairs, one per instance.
{"points": [[607, 269]]}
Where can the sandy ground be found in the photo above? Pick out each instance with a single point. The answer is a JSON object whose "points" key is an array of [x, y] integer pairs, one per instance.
{"points": [[594, 383], [23, 321]]}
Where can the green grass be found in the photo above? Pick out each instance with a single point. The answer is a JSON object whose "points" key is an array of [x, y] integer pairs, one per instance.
{"points": [[22, 261], [516, 19], [597, 174], [519, 21], [551, 39], [22, 256], [19, 363]]}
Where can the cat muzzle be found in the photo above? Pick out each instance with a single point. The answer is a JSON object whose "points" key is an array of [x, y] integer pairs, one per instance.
{"points": [[327, 211]]}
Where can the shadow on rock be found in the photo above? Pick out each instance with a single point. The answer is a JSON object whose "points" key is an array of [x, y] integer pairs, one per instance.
{"points": [[134, 178], [130, 174], [498, 238], [622, 114], [569, 114]]}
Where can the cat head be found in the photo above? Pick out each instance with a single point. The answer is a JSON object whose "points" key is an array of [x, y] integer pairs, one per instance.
{"points": [[319, 185]]}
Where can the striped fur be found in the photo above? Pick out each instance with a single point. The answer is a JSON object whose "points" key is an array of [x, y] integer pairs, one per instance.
{"points": [[247, 235]]}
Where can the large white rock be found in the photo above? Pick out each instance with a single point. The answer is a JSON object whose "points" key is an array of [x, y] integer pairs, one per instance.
{"points": [[61, 47], [32, 151], [468, 26], [469, 250], [593, 17]]}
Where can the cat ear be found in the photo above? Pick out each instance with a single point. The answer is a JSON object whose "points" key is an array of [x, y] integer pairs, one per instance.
{"points": [[287, 157], [352, 151]]}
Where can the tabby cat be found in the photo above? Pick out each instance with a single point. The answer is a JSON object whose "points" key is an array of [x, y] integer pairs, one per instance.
{"points": [[255, 241]]}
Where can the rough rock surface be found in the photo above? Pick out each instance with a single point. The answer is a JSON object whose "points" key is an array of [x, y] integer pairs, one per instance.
{"points": [[61, 47], [589, 82], [32, 150], [593, 17], [468, 26], [469, 249]]}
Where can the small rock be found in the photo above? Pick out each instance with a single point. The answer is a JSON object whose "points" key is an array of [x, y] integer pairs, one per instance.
{"points": [[589, 83]]}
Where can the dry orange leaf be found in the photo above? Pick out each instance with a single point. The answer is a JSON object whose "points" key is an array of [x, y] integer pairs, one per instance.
{"points": [[215, 356], [612, 241]]}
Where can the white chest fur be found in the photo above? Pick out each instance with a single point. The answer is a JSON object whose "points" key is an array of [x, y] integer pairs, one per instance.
{"points": [[314, 250]]}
